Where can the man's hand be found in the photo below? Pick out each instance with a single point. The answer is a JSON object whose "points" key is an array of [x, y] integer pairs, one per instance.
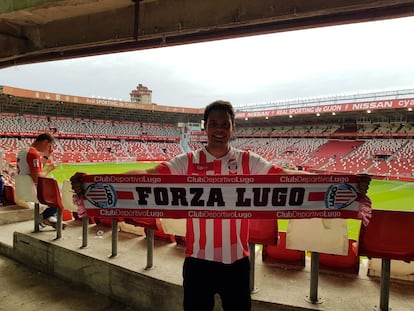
{"points": [[77, 184], [363, 183], [365, 204]]}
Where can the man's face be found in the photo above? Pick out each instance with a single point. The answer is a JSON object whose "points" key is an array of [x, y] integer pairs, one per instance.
{"points": [[47, 147], [219, 128]]}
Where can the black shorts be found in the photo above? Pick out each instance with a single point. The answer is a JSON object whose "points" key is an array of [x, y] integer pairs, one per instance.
{"points": [[203, 279]]}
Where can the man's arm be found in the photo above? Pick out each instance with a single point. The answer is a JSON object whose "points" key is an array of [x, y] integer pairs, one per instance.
{"points": [[153, 170], [77, 179], [363, 183]]}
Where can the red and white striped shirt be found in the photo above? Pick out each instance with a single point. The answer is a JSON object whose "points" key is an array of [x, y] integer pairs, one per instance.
{"points": [[222, 240], [28, 161]]}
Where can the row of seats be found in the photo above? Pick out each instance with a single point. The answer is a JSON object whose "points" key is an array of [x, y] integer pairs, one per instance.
{"points": [[49, 193], [321, 154], [35, 124], [388, 237]]}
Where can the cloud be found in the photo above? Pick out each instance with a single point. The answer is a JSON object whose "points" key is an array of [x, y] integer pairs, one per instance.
{"points": [[307, 63]]}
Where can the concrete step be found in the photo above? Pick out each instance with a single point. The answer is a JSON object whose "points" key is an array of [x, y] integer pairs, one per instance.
{"points": [[14, 213]]}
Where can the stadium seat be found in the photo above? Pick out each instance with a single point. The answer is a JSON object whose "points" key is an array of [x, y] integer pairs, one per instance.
{"points": [[281, 255], [48, 193], [9, 195], [342, 263], [67, 196], [152, 227], [261, 231], [387, 237], [26, 196], [25, 191], [175, 227], [400, 269], [67, 201], [329, 236]]}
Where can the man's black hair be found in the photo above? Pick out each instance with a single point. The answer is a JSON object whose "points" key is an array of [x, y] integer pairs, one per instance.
{"points": [[45, 136], [219, 105]]}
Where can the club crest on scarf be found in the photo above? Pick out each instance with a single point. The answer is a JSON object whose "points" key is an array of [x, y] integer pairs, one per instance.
{"points": [[339, 196], [101, 195]]}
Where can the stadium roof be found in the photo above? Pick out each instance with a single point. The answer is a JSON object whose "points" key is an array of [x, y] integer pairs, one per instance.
{"points": [[21, 101], [43, 30], [397, 106]]}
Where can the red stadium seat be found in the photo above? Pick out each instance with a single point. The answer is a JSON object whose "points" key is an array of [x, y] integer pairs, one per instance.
{"points": [[263, 231], [280, 254], [348, 263], [388, 236], [48, 193], [8, 194]]}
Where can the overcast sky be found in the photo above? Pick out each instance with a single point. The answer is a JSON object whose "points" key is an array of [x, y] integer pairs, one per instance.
{"points": [[373, 56]]}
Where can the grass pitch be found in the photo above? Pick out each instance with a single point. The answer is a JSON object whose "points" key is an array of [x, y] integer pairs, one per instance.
{"points": [[385, 194]]}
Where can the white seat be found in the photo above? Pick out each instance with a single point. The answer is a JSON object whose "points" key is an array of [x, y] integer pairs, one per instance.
{"points": [[25, 191], [67, 196], [172, 226], [399, 269], [26, 196], [328, 236]]}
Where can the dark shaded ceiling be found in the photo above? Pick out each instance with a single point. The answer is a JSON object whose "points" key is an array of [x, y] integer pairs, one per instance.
{"points": [[43, 30]]}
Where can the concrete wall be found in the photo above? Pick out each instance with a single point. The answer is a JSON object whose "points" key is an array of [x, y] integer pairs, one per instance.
{"points": [[127, 286]]}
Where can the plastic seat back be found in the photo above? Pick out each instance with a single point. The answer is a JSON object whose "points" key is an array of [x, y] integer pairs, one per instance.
{"points": [[9, 194], [389, 235], [25, 190], [328, 236], [176, 227], [67, 196], [342, 263], [263, 231], [48, 192], [280, 254]]}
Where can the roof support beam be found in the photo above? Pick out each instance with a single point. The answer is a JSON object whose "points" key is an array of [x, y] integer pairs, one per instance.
{"points": [[51, 30]]}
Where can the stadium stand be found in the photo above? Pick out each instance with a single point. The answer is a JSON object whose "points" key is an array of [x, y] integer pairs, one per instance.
{"points": [[383, 149], [78, 142]]}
